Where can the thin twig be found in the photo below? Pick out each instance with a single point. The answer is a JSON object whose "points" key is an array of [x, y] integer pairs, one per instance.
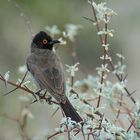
{"points": [[68, 130], [25, 89], [89, 19], [132, 121], [60, 132], [119, 110], [119, 78], [109, 61], [97, 23], [131, 124], [18, 85], [4, 80], [72, 81], [55, 112], [104, 60], [25, 18], [88, 136], [82, 130], [53, 135]]}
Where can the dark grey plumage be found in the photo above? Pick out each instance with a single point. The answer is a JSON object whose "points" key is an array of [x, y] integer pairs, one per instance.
{"points": [[47, 70]]}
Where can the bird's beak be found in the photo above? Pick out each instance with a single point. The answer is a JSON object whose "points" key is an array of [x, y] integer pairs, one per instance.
{"points": [[54, 42]]}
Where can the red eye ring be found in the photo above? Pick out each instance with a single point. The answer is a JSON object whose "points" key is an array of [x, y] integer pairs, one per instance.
{"points": [[45, 41]]}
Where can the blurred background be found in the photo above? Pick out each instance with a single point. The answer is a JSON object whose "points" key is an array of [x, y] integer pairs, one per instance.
{"points": [[15, 41]]}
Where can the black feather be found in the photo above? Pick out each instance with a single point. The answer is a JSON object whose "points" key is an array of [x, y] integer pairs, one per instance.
{"points": [[70, 111]]}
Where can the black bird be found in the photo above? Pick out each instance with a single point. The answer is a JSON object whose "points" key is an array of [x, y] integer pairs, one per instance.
{"points": [[47, 70]]}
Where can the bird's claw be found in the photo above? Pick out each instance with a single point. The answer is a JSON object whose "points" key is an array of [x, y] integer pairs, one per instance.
{"points": [[34, 95], [49, 100]]}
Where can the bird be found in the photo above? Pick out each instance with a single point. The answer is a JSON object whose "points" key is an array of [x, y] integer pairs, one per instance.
{"points": [[47, 71]]}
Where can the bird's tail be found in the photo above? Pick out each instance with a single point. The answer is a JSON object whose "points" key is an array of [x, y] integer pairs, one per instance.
{"points": [[70, 111]]}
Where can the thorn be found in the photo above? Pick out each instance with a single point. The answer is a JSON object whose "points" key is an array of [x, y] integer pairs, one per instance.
{"points": [[55, 112], [132, 93], [5, 83], [83, 133], [76, 133], [10, 91], [34, 101], [26, 87], [89, 19]]}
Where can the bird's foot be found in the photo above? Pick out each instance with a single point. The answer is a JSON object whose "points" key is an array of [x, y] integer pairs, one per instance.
{"points": [[35, 96], [48, 99]]}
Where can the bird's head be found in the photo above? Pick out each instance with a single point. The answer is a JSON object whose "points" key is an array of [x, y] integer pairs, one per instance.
{"points": [[43, 41]]}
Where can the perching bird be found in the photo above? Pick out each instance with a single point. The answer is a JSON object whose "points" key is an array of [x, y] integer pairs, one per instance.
{"points": [[47, 70]]}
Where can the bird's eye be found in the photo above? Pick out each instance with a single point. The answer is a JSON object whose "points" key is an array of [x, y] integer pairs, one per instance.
{"points": [[45, 41]]}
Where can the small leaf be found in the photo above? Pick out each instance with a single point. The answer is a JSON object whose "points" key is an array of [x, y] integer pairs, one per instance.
{"points": [[6, 76]]}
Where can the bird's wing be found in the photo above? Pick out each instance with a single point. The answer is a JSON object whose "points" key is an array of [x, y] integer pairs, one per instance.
{"points": [[50, 76], [53, 80]]}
